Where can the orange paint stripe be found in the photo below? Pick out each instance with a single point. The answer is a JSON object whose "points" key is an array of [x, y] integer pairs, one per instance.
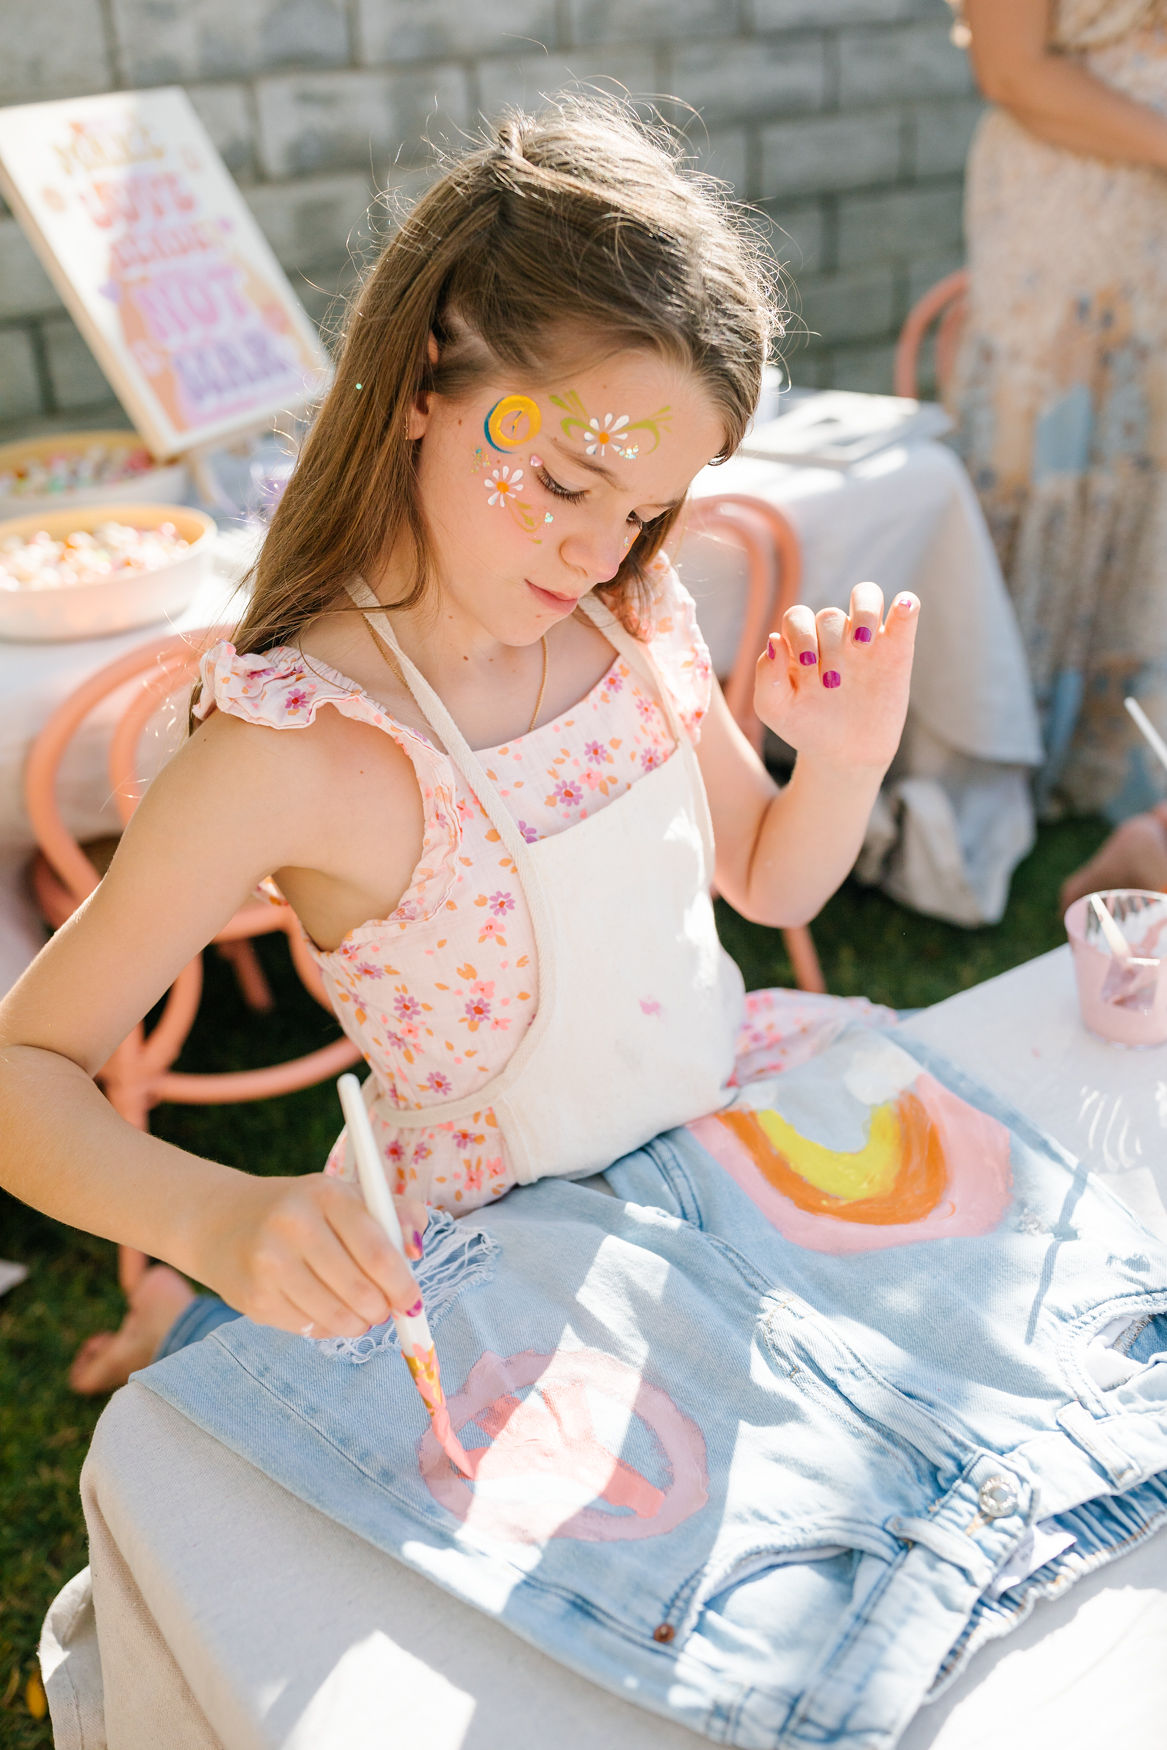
{"points": [[921, 1179]]}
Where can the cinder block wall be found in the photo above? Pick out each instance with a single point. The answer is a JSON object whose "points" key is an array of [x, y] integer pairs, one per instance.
{"points": [[845, 121]]}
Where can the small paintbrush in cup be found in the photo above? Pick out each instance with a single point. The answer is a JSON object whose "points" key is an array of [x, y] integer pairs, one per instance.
{"points": [[1147, 729], [413, 1331], [1130, 981]]}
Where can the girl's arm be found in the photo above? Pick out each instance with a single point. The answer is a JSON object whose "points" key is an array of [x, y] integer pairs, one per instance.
{"points": [[782, 853], [1050, 94], [288, 1252]]}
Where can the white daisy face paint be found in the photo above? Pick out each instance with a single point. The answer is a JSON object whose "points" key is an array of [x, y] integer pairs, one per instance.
{"points": [[609, 433], [503, 484]]}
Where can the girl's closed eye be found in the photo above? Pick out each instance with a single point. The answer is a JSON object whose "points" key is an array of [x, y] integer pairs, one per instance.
{"points": [[572, 495]]}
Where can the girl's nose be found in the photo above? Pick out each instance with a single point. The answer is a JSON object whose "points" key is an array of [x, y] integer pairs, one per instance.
{"points": [[598, 555]]}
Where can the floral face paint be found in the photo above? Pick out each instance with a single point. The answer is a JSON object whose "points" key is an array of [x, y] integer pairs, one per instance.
{"points": [[611, 432], [505, 487], [502, 484], [512, 421]]}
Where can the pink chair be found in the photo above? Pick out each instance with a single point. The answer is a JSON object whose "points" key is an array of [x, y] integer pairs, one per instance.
{"points": [[773, 576], [138, 1075], [946, 304]]}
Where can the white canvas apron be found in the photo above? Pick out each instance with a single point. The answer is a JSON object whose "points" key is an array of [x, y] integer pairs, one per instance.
{"points": [[638, 1005]]}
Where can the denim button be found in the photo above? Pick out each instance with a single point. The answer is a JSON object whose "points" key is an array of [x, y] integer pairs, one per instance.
{"points": [[997, 1497], [663, 1632]]}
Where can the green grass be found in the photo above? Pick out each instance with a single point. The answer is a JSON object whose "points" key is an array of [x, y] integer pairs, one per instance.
{"points": [[868, 945]]}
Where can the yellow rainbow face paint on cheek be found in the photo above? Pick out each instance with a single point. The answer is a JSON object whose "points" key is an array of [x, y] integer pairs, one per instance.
{"points": [[513, 421]]}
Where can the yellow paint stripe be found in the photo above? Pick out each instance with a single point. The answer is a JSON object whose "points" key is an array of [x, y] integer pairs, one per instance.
{"points": [[868, 1172]]}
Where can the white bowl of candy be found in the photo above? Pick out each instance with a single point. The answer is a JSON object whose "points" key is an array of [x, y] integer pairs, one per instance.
{"points": [[87, 572], [84, 467]]}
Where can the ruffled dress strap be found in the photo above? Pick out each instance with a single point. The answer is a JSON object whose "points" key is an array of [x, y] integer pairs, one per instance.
{"points": [[678, 649], [283, 689]]}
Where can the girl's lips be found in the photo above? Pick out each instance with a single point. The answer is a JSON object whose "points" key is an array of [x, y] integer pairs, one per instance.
{"points": [[565, 603]]}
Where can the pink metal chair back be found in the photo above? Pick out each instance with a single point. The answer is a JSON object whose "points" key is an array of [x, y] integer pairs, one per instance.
{"points": [[946, 304], [139, 1075]]}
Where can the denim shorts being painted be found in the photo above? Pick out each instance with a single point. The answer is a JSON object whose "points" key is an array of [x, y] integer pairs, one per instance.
{"points": [[835, 1388]]}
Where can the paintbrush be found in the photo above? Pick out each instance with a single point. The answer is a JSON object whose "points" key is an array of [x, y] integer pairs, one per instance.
{"points": [[1130, 982], [413, 1331], [1153, 739]]}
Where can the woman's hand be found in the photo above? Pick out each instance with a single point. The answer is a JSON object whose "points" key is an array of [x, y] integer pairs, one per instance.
{"points": [[1018, 67], [305, 1255], [834, 686]]}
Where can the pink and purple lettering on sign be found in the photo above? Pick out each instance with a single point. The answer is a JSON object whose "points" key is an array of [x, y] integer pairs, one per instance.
{"points": [[160, 261]]}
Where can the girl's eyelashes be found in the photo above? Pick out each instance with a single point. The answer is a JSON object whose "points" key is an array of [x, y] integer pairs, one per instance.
{"points": [[553, 486], [570, 494]]}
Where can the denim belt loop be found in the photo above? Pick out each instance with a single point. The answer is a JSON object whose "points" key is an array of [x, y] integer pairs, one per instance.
{"points": [[1090, 1434]]}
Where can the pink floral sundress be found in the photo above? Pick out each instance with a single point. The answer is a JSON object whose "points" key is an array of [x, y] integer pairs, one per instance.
{"points": [[438, 995]]}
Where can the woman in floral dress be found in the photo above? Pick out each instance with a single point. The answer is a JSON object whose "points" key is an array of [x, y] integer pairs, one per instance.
{"points": [[1060, 388]]}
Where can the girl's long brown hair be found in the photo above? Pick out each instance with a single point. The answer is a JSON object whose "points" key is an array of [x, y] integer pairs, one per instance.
{"points": [[575, 234]]}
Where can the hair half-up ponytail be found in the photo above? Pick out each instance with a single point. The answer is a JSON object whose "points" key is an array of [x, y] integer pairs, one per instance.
{"points": [[579, 232]]}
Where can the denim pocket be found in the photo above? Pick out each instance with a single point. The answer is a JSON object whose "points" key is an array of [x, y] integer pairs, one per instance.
{"points": [[1114, 1346], [770, 1618], [1147, 1342]]}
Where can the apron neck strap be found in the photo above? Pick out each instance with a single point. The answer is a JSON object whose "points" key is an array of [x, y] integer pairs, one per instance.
{"points": [[451, 737], [638, 657], [442, 724]]}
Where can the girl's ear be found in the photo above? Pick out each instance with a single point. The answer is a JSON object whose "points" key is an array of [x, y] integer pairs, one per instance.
{"points": [[419, 413], [418, 417]]}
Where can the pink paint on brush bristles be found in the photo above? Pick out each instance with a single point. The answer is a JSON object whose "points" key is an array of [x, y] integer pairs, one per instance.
{"points": [[423, 1365], [450, 1443]]}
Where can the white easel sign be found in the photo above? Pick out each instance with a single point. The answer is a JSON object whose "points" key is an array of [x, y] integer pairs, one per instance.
{"points": [[161, 264]]}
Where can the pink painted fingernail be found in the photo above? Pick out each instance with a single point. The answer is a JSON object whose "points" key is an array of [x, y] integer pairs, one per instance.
{"points": [[808, 658], [417, 1238], [771, 649], [862, 635], [411, 1312], [904, 604], [832, 678]]}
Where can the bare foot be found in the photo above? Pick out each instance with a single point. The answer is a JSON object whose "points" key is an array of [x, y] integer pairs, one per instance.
{"points": [[1135, 855], [107, 1360]]}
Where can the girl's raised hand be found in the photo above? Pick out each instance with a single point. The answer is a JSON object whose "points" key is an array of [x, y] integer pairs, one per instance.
{"points": [[305, 1255], [834, 686]]}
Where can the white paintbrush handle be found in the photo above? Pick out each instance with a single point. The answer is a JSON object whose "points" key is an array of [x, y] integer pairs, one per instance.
{"points": [[1115, 940], [1154, 740], [370, 1172]]}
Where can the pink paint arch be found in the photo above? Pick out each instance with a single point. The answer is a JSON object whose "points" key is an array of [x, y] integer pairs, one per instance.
{"points": [[547, 1472]]}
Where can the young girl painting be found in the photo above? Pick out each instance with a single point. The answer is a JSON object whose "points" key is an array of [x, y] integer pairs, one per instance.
{"points": [[468, 728]]}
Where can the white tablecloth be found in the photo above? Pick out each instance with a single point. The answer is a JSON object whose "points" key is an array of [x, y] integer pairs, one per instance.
{"points": [[955, 816], [233, 1615], [34, 680]]}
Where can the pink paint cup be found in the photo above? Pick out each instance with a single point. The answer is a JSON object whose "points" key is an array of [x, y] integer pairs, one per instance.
{"points": [[1135, 1020]]}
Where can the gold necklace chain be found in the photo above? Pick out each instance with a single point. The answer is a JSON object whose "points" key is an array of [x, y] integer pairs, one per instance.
{"points": [[384, 652], [542, 688]]}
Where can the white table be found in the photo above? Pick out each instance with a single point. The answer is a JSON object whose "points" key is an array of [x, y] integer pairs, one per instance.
{"points": [[34, 680], [245, 1619]]}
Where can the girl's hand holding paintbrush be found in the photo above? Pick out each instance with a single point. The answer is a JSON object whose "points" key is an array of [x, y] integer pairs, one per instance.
{"points": [[305, 1255]]}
